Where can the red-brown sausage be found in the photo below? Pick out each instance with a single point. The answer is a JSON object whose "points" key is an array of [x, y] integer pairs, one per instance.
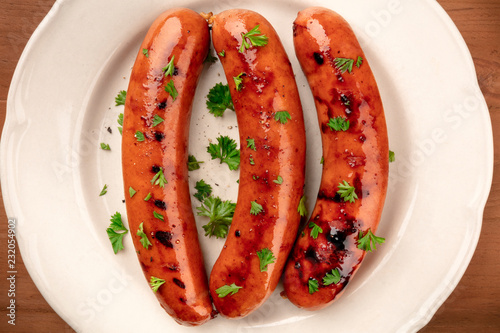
{"points": [[174, 254], [358, 155], [268, 87]]}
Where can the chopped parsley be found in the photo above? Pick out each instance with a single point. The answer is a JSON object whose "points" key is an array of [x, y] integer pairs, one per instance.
{"points": [[105, 146], [359, 61], [347, 192], [266, 257], [104, 190], [315, 230], [220, 214], [366, 241], [251, 144], [344, 64], [313, 285], [159, 179], [333, 277], [156, 283], [338, 124], [302, 206], [131, 191], [203, 190], [226, 290], [226, 151], [170, 68], [193, 163], [120, 98], [144, 238], [238, 80], [147, 197], [255, 208], [282, 116], [139, 136], [170, 88], [145, 52], [219, 100], [158, 216], [157, 120], [392, 156], [255, 38], [116, 231], [278, 181]]}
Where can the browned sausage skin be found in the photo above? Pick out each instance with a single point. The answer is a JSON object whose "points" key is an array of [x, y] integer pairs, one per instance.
{"points": [[163, 206], [268, 87], [358, 155]]}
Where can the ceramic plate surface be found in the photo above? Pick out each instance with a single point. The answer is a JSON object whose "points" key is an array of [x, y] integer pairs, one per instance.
{"points": [[61, 103]]}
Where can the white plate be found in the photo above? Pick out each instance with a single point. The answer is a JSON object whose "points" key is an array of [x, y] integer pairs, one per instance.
{"points": [[62, 100]]}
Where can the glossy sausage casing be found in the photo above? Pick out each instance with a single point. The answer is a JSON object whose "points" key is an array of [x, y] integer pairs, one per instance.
{"points": [[358, 156], [175, 255], [268, 86]]}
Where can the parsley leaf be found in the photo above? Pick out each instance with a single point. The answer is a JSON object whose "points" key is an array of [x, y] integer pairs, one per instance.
{"points": [[147, 197], [302, 206], [238, 80], [159, 179], [170, 88], [255, 208], [145, 52], [313, 285], [157, 120], [359, 61], [203, 190], [120, 122], [210, 58], [222, 53], [156, 283], [226, 290], [120, 98], [170, 68], [131, 191], [144, 238], [338, 124], [279, 181], [251, 144], [105, 146], [220, 214], [344, 64], [226, 151], [333, 277], [392, 156], [104, 190], [139, 136], [346, 192], [158, 216], [282, 116], [219, 100], [266, 257], [316, 230], [365, 241], [114, 234], [254, 37], [193, 163]]}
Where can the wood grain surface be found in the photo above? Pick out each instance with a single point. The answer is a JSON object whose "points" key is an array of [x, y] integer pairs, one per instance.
{"points": [[473, 306]]}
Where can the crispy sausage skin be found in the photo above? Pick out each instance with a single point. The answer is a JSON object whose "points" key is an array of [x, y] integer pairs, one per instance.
{"points": [[358, 155], [268, 86], [174, 254]]}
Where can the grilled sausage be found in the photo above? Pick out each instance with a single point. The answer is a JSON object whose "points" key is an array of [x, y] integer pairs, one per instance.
{"points": [[272, 163], [330, 249], [158, 107]]}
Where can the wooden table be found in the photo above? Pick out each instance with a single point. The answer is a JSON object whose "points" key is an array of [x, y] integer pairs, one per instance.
{"points": [[475, 303]]}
